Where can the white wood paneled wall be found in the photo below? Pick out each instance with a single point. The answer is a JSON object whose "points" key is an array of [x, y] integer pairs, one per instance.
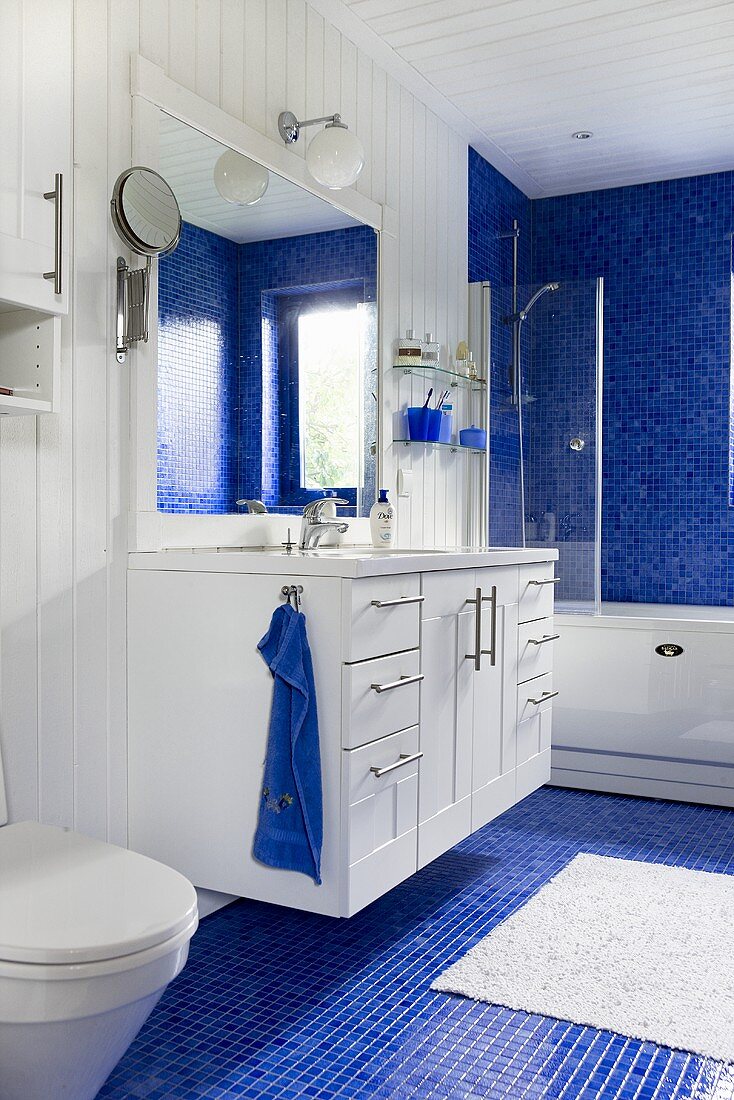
{"points": [[64, 478], [255, 58]]}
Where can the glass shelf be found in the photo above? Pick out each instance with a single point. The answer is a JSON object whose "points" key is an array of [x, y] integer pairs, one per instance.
{"points": [[443, 446], [425, 370]]}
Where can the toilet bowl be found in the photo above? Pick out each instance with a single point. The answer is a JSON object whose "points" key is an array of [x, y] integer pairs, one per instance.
{"points": [[90, 936]]}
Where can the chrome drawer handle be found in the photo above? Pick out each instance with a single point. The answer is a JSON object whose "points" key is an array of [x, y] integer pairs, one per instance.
{"points": [[553, 580], [544, 639], [545, 696], [402, 682], [405, 758], [57, 197], [399, 602]]}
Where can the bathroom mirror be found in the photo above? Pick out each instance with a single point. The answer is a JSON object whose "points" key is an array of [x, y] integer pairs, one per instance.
{"points": [[267, 340], [145, 212]]}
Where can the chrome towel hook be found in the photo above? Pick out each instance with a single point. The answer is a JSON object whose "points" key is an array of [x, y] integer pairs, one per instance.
{"points": [[292, 593]]}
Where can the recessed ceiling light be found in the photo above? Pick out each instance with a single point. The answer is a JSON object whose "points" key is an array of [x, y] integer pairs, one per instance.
{"points": [[582, 135]]}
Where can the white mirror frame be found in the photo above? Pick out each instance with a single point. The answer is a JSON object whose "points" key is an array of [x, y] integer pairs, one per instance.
{"points": [[152, 91]]}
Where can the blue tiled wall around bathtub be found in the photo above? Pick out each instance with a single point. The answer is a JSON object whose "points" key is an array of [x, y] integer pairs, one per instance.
{"points": [[219, 402], [493, 204], [198, 348], [664, 250]]}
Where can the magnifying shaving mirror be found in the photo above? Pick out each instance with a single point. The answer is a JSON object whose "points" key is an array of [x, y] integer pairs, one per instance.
{"points": [[147, 218]]}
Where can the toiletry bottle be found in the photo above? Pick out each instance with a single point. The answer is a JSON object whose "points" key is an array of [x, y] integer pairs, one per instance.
{"points": [[382, 521], [462, 357], [431, 350], [550, 525], [408, 350]]}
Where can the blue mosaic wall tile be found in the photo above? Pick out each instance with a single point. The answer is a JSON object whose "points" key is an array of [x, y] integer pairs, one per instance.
{"points": [[493, 204], [198, 348], [664, 250], [275, 1003], [220, 408]]}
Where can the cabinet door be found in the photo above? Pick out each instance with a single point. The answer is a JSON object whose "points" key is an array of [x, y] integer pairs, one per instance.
{"points": [[199, 709], [495, 696], [446, 714], [35, 138]]}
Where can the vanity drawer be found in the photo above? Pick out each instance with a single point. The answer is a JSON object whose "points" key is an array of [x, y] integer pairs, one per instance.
{"points": [[382, 816], [534, 697], [379, 697], [537, 591], [535, 649], [535, 716], [383, 616]]}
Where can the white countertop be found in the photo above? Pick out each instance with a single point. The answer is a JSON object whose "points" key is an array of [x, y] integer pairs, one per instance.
{"points": [[348, 561]]}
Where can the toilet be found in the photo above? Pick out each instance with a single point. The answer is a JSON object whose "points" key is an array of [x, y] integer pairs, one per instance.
{"points": [[90, 936]]}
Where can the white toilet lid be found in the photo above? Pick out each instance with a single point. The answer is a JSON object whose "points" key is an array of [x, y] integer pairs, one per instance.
{"points": [[65, 898]]}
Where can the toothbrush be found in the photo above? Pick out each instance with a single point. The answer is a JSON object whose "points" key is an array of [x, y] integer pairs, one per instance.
{"points": [[441, 399], [428, 398]]}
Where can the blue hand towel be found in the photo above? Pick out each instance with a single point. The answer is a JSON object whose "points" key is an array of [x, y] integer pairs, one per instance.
{"points": [[290, 824]]}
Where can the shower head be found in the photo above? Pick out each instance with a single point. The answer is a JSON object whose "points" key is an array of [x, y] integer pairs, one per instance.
{"points": [[522, 314]]}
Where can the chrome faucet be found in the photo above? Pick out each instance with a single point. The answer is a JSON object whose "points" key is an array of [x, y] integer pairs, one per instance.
{"points": [[254, 507], [313, 527]]}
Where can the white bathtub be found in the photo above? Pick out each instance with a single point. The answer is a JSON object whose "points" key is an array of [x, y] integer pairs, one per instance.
{"points": [[631, 721]]}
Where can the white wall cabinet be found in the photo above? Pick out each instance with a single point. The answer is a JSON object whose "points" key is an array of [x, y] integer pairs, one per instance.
{"points": [[420, 741], [35, 199], [35, 138]]}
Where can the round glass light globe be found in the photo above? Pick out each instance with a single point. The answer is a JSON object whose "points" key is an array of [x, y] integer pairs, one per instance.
{"points": [[335, 157], [239, 179]]}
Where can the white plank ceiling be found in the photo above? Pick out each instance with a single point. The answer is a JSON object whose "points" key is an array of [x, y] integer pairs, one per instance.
{"points": [[652, 79], [187, 160]]}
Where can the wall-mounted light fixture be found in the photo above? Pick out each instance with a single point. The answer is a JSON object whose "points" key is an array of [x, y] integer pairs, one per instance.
{"points": [[335, 157], [240, 180]]}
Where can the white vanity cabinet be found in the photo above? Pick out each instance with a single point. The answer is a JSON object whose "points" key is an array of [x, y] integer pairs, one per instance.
{"points": [[468, 701], [425, 732], [35, 137]]}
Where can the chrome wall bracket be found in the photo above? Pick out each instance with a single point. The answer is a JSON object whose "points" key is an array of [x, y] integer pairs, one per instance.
{"points": [[133, 302]]}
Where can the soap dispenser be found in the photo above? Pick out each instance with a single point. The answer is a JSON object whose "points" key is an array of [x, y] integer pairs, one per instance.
{"points": [[382, 521]]}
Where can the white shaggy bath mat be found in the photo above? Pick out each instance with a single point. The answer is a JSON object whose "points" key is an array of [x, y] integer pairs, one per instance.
{"points": [[636, 948]]}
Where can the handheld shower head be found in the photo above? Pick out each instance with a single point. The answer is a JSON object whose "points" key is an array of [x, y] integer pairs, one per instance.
{"points": [[521, 315]]}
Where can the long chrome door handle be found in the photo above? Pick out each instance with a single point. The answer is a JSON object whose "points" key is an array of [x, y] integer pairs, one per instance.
{"points": [[476, 656], [545, 696], [405, 758], [398, 602], [57, 196], [553, 580], [402, 682], [493, 628], [544, 639]]}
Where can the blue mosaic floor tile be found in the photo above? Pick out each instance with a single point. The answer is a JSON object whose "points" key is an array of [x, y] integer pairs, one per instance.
{"points": [[277, 1003]]}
